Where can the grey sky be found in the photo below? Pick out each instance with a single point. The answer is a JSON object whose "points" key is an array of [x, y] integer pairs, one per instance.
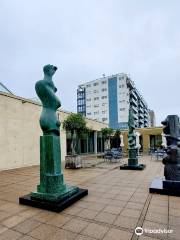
{"points": [[86, 38]]}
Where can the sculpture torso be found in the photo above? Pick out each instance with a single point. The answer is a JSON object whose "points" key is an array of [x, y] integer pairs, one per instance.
{"points": [[45, 90]]}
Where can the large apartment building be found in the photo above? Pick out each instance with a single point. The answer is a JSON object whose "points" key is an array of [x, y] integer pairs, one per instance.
{"points": [[108, 99]]}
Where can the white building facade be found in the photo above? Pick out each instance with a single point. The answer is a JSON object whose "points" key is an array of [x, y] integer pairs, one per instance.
{"points": [[108, 99]]}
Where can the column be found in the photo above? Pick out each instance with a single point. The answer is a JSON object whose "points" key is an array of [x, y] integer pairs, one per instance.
{"points": [[95, 142]]}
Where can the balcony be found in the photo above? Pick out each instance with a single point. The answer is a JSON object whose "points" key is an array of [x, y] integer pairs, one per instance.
{"points": [[135, 109], [141, 120], [141, 104], [133, 102], [133, 95], [141, 110], [146, 120]]}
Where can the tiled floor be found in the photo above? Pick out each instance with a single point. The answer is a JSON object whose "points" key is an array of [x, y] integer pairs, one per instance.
{"points": [[117, 203]]}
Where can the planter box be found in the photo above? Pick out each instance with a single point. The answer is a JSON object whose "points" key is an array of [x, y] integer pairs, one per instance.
{"points": [[73, 161]]}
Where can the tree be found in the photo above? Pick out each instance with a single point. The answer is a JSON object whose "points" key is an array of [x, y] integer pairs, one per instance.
{"points": [[116, 138], [75, 123], [106, 134]]}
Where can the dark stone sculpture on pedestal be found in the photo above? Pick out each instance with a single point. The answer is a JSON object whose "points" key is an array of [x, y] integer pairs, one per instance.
{"points": [[170, 184], [132, 148], [52, 193]]}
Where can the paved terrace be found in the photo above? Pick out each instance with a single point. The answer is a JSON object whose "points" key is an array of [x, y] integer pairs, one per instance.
{"points": [[118, 201]]}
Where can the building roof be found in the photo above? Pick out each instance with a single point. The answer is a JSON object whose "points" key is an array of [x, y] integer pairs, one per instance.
{"points": [[3, 88]]}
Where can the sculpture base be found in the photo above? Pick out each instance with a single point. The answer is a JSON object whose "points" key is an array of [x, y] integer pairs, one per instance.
{"points": [[132, 167], [64, 191], [165, 187], [56, 205]]}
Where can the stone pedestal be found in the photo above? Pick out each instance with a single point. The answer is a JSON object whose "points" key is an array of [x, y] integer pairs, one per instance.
{"points": [[52, 193], [133, 161], [73, 161], [165, 187]]}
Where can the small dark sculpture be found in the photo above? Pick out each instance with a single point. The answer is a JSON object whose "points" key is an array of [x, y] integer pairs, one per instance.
{"points": [[172, 159], [45, 90]]}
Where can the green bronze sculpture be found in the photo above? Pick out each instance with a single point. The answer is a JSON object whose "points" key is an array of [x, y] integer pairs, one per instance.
{"points": [[131, 133], [46, 90], [52, 193], [132, 148]]}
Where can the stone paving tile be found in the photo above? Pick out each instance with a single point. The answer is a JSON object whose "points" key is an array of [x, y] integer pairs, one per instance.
{"points": [[27, 226], [73, 210], [44, 216], [81, 237], [12, 221], [95, 231], [30, 212], [116, 234], [113, 209], [96, 206], [135, 206], [131, 213], [126, 222], [154, 225], [174, 212], [117, 202], [87, 214], [175, 234], [25, 237], [64, 235], [143, 237], [4, 215], [43, 232], [156, 217], [174, 221], [10, 235], [3, 228], [158, 209], [59, 220], [105, 217], [75, 225]]}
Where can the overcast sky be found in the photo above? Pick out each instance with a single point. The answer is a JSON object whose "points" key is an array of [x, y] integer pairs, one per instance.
{"points": [[86, 38]]}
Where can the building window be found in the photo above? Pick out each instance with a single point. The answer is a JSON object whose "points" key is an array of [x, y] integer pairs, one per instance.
{"points": [[104, 104], [88, 99], [88, 113], [122, 109], [104, 89], [96, 84], [104, 119], [96, 105], [95, 91], [121, 86], [103, 97], [88, 85], [96, 98], [104, 82], [96, 113], [103, 112]]}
